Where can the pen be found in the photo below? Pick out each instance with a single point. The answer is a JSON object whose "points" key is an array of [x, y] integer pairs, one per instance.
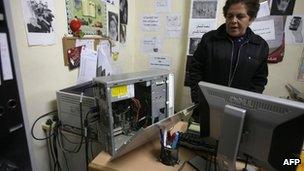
{"points": [[165, 137], [161, 137], [175, 141]]}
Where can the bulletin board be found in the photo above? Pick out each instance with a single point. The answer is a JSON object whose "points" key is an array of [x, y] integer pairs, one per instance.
{"points": [[92, 13]]}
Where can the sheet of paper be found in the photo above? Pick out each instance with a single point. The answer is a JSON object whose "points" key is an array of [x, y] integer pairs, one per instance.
{"points": [[5, 58], [198, 27], [301, 68], [150, 22], [294, 31], [174, 25], [264, 28], [104, 59], [160, 61], [88, 64], [151, 44], [279, 30], [39, 18], [264, 10], [163, 6], [88, 8], [87, 43]]}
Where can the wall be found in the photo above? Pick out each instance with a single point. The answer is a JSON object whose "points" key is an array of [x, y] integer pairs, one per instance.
{"points": [[174, 47], [279, 74], [42, 71]]}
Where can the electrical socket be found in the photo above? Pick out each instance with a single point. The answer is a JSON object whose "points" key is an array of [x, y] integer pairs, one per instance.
{"points": [[47, 127]]}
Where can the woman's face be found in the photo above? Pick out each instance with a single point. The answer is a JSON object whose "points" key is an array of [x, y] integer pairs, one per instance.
{"points": [[237, 20], [112, 26]]}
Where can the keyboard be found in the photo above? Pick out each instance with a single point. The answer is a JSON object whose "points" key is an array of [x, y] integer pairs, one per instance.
{"points": [[195, 142]]}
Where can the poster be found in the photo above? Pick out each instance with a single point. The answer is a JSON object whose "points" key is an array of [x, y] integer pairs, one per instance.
{"points": [[150, 22], [276, 45], [174, 25], [202, 20], [39, 18], [92, 13], [294, 29], [163, 6], [159, 61], [151, 44], [264, 28]]}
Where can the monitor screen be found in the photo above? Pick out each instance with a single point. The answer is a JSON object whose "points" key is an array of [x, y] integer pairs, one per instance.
{"points": [[273, 128]]}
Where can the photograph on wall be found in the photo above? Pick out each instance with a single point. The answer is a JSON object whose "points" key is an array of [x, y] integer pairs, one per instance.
{"points": [[294, 29], [92, 14], [123, 11], [74, 57], [113, 26], [122, 33], [204, 9], [282, 7], [39, 18], [193, 45]]}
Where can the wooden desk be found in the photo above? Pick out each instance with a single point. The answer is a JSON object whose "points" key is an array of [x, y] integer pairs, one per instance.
{"points": [[143, 158]]}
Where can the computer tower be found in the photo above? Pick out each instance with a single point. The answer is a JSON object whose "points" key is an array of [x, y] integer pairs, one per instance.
{"points": [[131, 102], [68, 104]]}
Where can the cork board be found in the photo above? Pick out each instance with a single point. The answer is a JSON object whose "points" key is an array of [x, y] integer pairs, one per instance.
{"points": [[69, 42]]}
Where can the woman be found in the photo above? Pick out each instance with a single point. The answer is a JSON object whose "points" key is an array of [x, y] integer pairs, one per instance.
{"points": [[232, 55], [113, 31]]}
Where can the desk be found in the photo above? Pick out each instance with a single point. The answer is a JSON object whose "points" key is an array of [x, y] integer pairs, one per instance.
{"points": [[144, 158]]}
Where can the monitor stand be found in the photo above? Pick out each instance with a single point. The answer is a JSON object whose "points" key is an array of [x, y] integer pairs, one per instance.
{"points": [[230, 136], [231, 132]]}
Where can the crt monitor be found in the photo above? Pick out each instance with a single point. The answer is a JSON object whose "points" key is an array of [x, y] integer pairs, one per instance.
{"points": [[272, 129]]}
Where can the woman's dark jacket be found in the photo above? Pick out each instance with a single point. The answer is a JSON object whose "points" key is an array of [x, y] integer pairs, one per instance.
{"points": [[213, 57]]}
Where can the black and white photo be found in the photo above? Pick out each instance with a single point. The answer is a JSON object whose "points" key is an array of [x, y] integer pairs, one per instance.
{"points": [[41, 17], [193, 45], [113, 26], [122, 33], [123, 11], [282, 7], [204, 9]]}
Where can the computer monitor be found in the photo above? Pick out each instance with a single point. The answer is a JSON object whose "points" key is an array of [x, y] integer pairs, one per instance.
{"points": [[265, 128]]}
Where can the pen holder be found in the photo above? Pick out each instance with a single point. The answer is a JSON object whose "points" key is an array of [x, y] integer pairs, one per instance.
{"points": [[169, 156]]}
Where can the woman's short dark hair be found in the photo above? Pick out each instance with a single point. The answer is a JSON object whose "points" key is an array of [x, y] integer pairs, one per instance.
{"points": [[252, 6]]}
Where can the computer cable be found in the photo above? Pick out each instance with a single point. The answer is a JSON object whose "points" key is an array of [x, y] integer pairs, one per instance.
{"points": [[48, 133], [33, 126]]}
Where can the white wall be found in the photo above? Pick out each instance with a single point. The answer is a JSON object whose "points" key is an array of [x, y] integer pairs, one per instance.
{"points": [[42, 70]]}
